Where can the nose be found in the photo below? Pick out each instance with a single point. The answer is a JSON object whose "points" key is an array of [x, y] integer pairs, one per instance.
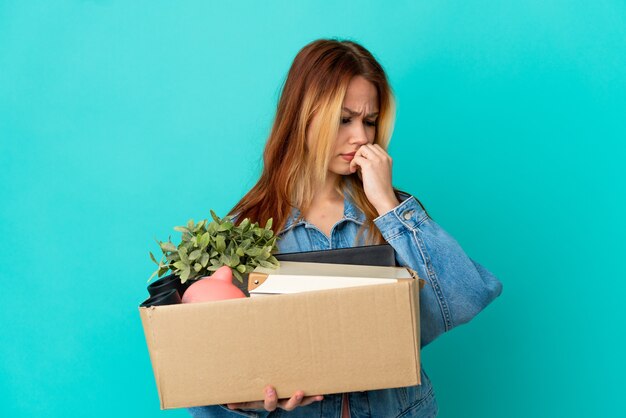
{"points": [[358, 135]]}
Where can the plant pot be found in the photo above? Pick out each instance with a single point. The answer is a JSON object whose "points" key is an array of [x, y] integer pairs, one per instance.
{"points": [[185, 286], [167, 297], [165, 283], [218, 286]]}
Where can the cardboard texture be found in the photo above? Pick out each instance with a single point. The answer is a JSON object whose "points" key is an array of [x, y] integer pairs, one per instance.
{"points": [[321, 342]]}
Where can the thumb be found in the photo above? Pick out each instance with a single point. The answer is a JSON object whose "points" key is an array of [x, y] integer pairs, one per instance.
{"points": [[353, 166]]}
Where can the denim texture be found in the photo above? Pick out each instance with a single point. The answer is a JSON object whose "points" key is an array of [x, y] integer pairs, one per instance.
{"points": [[457, 288]]}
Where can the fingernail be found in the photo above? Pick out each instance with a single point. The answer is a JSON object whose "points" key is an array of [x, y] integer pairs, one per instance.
{"points": [[299, 396], [269, 392]]}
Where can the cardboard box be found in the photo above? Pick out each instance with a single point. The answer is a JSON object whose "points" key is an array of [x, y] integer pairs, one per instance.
{"points": [[321, 342]]}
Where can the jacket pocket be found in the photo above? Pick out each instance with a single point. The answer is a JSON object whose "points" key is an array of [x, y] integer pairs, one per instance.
{"points": [[425, 407]]}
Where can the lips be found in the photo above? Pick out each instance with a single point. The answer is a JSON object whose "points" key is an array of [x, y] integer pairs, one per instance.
{"points": [[351, 154]]}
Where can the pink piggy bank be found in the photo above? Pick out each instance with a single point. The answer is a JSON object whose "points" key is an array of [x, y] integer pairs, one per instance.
{"points": [[218, 286]]}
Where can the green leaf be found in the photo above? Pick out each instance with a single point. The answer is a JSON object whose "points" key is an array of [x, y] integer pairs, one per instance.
{"points": [[204, 240], [268, 225], [224, 259], [182, 252], [190, 224], [265, 264], [182, 229], [197, 267], [195, 255], [220, 243], [253, 252], [180, 266], [238, 276], [226, 226], [172, 257], [168, 247], [185, 275], [240, 252], [204, 260], [215, 217], [154, 259], [241, 268]]}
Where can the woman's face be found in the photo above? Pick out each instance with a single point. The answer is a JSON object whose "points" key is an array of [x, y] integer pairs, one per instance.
{"points": [[357, 127]]}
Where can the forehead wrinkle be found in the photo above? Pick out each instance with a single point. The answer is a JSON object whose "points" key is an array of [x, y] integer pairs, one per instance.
{"points": [[355, 113]]}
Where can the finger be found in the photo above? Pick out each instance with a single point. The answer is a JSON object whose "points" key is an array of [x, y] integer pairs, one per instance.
{"points": [[363, 151], [310, 399], [271, 398], [294, 401], [354, 166], [358, 162], [369, 151], [376, 149], [381, 151]]}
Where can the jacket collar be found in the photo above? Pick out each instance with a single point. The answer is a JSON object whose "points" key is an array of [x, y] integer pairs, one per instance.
{"points": [[350, 211]]}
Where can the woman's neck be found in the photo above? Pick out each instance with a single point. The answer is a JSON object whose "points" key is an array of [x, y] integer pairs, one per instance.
{"points": [[327, 193]]}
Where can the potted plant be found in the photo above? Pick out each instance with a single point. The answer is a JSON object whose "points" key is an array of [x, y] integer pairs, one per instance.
{"points": [[207, 246]]}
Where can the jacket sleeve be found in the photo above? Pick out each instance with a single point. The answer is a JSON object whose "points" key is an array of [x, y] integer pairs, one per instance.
{"points": [[457, 288]]}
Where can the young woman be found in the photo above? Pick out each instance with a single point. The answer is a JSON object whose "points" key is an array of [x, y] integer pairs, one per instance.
{"points": [[326, 182]]}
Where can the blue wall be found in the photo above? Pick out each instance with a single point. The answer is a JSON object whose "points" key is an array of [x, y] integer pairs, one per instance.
{"points": [[120, 120]]}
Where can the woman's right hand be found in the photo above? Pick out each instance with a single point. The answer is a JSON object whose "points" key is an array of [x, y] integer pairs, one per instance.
{"points": [[271, 401]]}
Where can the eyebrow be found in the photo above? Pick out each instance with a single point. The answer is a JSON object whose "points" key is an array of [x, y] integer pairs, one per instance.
{"points": [[354, 113]]}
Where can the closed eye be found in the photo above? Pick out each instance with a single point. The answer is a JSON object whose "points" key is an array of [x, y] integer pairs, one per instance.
{"points": [[367, 122]]}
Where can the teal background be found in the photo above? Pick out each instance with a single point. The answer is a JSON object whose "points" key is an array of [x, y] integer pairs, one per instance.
{"points": [[120, 120]]}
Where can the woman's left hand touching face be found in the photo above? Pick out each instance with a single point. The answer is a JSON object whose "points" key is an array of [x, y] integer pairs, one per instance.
{"points": [[375, 172]]}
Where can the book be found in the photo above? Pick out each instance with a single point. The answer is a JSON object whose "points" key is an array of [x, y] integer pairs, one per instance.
{"points": [[298, 276], [372, 255]]}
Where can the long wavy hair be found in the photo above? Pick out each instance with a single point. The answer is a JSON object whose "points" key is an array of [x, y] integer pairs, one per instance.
{"points": [[315, 84]]}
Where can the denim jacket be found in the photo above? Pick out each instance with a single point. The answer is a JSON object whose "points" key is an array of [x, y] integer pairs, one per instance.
{"points": [[457, 288]]}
